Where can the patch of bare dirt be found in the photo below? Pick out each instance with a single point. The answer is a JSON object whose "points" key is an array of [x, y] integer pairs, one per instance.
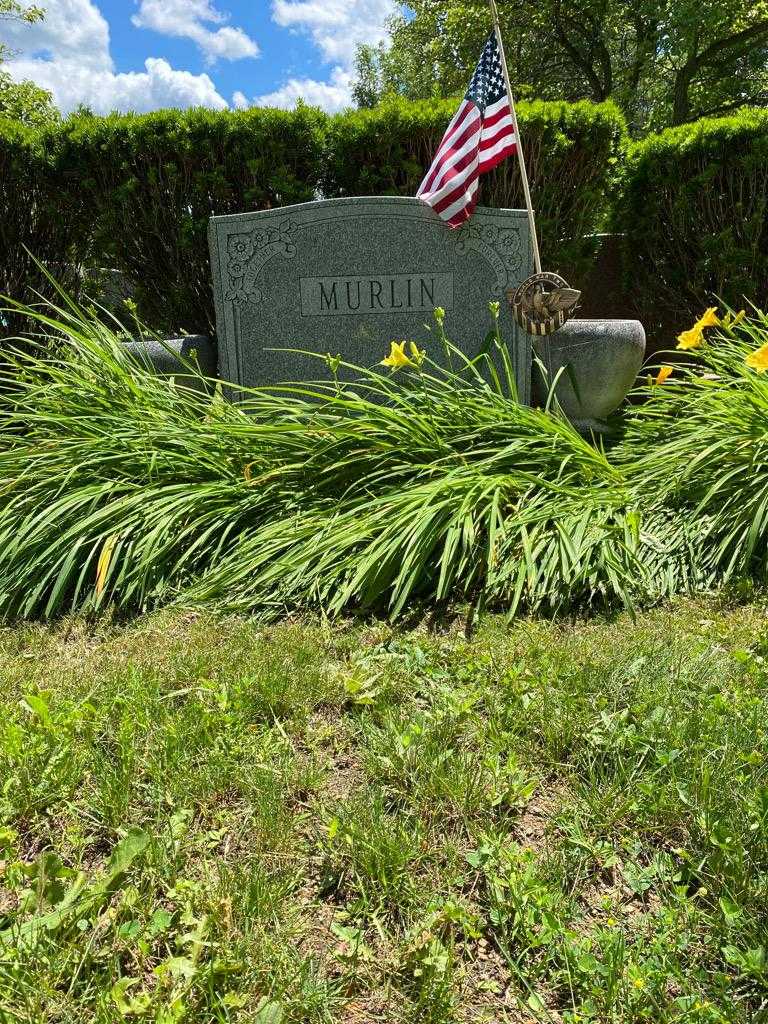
{"points": [[343, 766], [345, 775], [607, 902], [489, 994], [532, 827], [9, 901]]}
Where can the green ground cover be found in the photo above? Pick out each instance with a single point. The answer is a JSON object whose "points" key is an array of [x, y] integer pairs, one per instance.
{"points": [[210, 819]]}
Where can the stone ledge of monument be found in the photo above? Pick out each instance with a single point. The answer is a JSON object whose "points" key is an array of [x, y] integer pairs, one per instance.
{"points": [[169, 356], [113, 287]]}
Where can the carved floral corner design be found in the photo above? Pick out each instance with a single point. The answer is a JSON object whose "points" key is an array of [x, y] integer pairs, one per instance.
{"points": [[247, 253], [501, 247]]}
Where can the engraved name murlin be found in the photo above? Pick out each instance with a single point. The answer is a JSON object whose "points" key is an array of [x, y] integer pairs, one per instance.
{"points": [[380, 293]]}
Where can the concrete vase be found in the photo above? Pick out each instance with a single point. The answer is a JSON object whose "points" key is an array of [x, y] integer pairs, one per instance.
{"points": [[600, 360]]}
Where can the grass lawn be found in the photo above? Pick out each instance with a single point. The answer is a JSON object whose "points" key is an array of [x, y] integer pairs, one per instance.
{"points": [[204, 819]]}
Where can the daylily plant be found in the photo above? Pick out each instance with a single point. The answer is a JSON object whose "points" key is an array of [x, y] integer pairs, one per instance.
{"points": [[694, 338]]}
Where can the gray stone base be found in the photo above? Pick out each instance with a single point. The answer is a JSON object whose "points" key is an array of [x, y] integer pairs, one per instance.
{"points": [[598, 362], [169, 356]]}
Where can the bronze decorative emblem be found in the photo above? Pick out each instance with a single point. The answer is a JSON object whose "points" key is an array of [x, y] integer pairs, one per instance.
{"points": [[543, 303]]}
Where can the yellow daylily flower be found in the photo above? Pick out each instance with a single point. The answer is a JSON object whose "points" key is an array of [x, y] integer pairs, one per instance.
{"points": [[758, 360], [693, 338], [397, 357], [709, 319], [664, 372]]}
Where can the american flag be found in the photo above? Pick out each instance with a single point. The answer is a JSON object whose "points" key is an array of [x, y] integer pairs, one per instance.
{"points": [[480, 136]]}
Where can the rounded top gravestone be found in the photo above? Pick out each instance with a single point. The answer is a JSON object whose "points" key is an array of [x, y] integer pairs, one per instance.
{"points": [[348, 276]]}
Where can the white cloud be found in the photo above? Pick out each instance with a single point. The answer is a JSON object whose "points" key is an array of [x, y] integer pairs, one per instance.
{"points": [[68, 53], [332, 96], [159, 85], [187, 19], [239, 100], [71, 30], [337, 27]]}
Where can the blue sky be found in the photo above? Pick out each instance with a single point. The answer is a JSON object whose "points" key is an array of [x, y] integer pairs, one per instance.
{"points": [[145, 54]]}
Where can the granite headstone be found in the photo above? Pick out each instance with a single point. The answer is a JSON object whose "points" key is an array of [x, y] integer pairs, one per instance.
{"points": [[348, 276]]}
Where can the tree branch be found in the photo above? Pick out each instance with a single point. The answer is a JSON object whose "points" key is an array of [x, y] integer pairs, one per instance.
{"points": [[724, 108], [745, 36], [582, 62]]}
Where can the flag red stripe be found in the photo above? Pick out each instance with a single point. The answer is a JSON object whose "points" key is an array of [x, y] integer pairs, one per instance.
{"points": [[503, 145], [494, 129], [449, 143], [462, 209], [460, 162], [488, 165], [456, 145], [454, 186], [464, 214], [464, 111], [488, 142], [492, 119], [445, 202], [460, 166]]}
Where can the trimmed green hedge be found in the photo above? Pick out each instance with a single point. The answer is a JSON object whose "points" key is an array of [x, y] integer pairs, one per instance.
{"points": [[153, 181], [694, 212], [571, 150], [44, 216], [136, 192], [157, 179]]}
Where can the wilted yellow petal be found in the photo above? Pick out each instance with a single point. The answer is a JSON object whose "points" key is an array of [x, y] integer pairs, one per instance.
{"points": [[103, 564], [664, 372], [418, 355], [692, 338], [758, 360]]}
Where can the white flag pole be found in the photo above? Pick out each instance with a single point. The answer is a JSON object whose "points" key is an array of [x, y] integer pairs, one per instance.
{"points": [[519, 146]]}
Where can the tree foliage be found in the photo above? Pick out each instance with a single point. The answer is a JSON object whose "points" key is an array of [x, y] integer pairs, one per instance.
{"points": [[12, 10], [24, 102], [663, 61]]}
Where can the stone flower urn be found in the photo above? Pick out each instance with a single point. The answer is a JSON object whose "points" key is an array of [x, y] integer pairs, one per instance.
{"points": [[600, 360]]}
